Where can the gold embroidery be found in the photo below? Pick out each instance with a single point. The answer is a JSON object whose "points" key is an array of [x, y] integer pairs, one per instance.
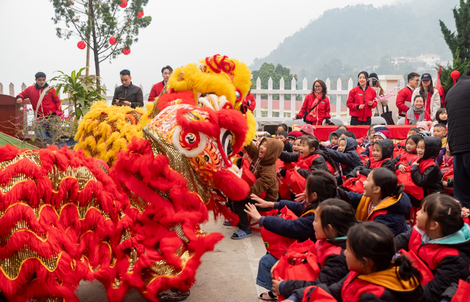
{"points": [[11, 266]]}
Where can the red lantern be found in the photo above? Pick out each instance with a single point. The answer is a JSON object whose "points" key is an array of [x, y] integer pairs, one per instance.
{"points": [[112, 41], [140, 14], [455, 75], [123, 3], [81, 45], [126, 51]]}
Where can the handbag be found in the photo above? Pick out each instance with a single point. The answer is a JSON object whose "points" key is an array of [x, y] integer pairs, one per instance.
{"points": [[304, 118], [276, 244], [387, 115]]}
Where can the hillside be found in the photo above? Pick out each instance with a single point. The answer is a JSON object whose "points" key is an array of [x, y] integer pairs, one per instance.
{"points": [[359, 36]]}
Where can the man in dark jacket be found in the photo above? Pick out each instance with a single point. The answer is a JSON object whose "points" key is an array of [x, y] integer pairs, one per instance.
{"points": [[458, 110], [128, 94]]}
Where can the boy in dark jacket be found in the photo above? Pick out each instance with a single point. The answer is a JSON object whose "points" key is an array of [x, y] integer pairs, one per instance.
{"points": [[263, 166], [425, 172], [346, 155]]}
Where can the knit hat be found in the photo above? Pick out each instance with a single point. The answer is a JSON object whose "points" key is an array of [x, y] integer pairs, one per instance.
{"points": [[381, 134], [382, 129], [308, 129], [426, 125], [294, 134]]}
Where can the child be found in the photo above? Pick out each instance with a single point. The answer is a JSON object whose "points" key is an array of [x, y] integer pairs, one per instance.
{"points": [[380, 132], [441, 132], [373, 275], [296, 146], [293, 135], [417, 112], [333, 219], [307, 129], [382, 152], [263, 166], [441, 116], [320, 186], [383, 201], [282, 136], [425, 172], [346, 155], [445, 161], [366, 139], [424, 125], [442, 241], [400, 146], [308, 160], [333, 139], [342, 127], [408, 155], [348, 134], [281, 127]]}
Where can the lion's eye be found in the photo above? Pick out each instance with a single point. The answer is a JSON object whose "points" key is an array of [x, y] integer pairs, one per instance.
{"points": [[237, 94], [190, 138]]}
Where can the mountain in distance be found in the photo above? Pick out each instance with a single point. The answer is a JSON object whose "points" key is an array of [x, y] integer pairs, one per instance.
{"points": [[359, 36]]}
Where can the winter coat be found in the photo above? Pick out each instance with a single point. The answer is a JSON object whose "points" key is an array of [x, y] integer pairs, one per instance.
{"points": [[156, 90], [332, 262], [131, 93], [403, 97], [425, 117], [358, 96], [300, 229], [265, 169], [379, 286], [434, 102], [386, 161], [447, 257], [50, 102], [427, 173], [391, 211], [314, 161], [348, 159], [323, 110], [458, 110]]}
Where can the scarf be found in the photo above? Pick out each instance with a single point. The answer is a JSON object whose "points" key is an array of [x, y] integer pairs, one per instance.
{"points": [[318, 97], [411, 114]]}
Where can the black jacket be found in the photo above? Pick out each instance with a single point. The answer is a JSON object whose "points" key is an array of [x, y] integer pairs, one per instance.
{"points": [[300, 228], [131, 93], [387, 152], [348, 158], [458, 110], [333, 270], [430, 179]]}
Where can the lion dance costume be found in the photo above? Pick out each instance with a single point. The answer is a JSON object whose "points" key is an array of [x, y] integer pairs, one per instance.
{"points": [[125, 206]]}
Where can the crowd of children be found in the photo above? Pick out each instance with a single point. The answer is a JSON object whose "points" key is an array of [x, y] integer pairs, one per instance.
{"points": [[367, 219]]}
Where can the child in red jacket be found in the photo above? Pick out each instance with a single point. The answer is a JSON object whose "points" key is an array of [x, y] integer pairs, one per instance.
{"points": [[373, 275], [442, 241]]}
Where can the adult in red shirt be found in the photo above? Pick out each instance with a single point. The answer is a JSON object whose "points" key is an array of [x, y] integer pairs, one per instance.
{"points": [[43, 98], [404, 95], [316, 105], [361, 101], [158, 88]]}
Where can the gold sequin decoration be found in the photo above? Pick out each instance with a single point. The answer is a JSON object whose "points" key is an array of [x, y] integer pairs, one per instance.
{"points": [[125, 235], [179, 231], [82, 174], [13, 181], [132, 260], [163, 269], [20, 225], [178, 162], [11, 266], [138, 202], [116, 283], [48, 299], [32, 156]]}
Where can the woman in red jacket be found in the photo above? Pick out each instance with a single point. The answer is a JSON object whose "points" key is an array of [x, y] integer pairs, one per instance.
{"points": [[316, 105], [361, 101]]}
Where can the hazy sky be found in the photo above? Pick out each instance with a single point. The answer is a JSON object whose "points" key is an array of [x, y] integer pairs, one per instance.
{"points": [[181, 32]]}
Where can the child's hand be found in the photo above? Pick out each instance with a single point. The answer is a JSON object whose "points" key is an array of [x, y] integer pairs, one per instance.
{"points": [[276, 285], [357, 173], [301, 197], [444, 183], [261, 202], [401, 168], [252, 211], [366, 161]]}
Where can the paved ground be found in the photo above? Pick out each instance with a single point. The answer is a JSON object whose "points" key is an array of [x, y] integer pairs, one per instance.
{"points": [[226, 275]]}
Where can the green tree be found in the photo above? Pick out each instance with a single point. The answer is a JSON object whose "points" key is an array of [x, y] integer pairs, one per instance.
{"points": [[458, 42], [268, 70], [96, 21]]}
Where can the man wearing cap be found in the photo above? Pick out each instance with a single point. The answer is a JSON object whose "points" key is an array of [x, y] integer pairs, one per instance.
{"points": [[158, 88], [128, 94], [458, 136], [404, 95], [44, 100], [432, 100]]}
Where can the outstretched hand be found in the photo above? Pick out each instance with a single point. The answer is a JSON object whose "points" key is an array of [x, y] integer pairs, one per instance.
{"points": [[276, 285], [261, 202], [301, 197], [252, 211]]}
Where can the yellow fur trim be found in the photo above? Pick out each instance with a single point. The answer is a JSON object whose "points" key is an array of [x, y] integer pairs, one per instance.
{"points": [[250, 135]]}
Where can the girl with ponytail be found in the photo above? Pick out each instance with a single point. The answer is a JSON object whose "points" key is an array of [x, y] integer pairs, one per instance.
{"points": [[374, 276], [383, 201]]}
